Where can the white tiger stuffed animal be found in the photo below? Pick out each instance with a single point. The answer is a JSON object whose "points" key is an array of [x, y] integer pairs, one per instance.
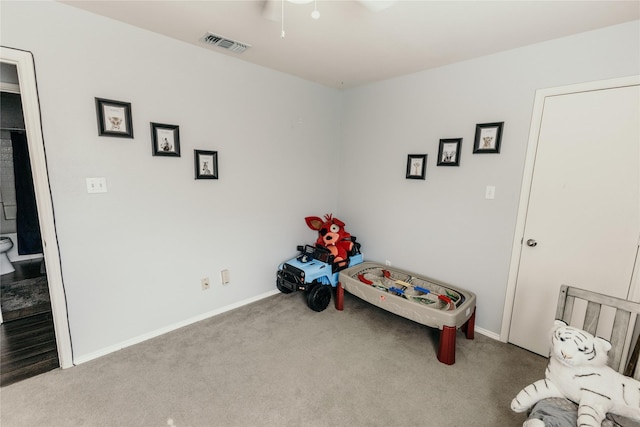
{"points": [[577, 371]]}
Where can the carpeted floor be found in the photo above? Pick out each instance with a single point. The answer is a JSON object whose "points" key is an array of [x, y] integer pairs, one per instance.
{"points": [[24, 298], [278, 363]]}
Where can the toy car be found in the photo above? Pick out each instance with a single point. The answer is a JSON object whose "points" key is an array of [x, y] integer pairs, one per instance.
{"points": [[315, 272]]}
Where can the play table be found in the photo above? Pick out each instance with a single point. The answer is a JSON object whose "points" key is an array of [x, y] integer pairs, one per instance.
{"points": [[415, 297]]}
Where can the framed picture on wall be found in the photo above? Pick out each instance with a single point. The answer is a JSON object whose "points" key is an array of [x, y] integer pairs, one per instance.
{"points": [[449, 152], [416, 166], [165, 140], [114, 118], [206, 164], [488, 138]]}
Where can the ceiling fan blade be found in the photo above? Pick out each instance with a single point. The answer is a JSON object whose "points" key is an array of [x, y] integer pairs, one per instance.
{"points": [[377, 5], [272, 10]]}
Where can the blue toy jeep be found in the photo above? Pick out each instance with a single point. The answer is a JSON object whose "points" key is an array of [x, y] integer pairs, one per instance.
{"points": [[315, 272]]}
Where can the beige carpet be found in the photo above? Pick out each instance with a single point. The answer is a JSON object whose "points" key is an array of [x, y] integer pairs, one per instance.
{"points": [[278, 363]]}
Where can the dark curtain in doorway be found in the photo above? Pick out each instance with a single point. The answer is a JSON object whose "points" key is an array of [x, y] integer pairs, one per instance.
{"points": [[28, 227]]}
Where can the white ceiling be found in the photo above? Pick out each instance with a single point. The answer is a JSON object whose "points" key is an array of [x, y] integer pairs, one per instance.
{"points": [[351, 44]]}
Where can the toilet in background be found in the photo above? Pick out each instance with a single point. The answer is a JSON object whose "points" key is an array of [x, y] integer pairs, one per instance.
{"points": [[5, 265]]}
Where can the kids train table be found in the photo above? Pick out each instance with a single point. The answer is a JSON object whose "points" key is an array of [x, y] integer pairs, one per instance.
{"points": [[423, 300]]}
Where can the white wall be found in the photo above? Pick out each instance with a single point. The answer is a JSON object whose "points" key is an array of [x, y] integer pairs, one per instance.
{"points": [[444, 227], [132, 258]]}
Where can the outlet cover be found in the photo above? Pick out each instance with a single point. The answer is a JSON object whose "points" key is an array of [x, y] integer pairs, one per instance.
{"points": [[224, 277], [205, 283]]}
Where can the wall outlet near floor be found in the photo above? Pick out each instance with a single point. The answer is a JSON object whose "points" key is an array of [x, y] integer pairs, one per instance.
{"points": [[205, 283], [387, 262], [224, 277]]}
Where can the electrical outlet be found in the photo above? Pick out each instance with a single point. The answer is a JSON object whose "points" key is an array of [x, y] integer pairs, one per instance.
{"points": [[387, 262], [224, 277], [205, 283]]}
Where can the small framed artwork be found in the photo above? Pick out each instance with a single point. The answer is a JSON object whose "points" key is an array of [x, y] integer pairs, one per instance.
{"points": [[206, 164], [416, 166], [488, 138], [114, 118], [449, 152], [165, 140]]}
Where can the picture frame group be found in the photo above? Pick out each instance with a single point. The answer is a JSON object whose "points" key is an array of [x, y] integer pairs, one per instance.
{"points": [[488, 139], [114, 119]]}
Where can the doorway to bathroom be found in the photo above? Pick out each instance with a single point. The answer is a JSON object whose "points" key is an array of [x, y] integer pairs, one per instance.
{"points": [[27, 332], [35, 334]]}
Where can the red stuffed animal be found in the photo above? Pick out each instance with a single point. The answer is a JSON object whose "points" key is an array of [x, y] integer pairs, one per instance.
{"points": [[332, 235]]}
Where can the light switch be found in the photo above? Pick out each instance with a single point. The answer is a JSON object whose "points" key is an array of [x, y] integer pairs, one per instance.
{"points": [[96, 185], [490, 192]]}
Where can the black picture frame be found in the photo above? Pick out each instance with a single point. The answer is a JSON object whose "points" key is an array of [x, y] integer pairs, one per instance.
{"points": [[206, 164], [165, 140], [416, 166], [488, 137], [114, 118], [449, 152]]}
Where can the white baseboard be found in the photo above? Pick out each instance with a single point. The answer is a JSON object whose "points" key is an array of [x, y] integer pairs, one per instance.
{"points": [[107, 350], [487, 333]]}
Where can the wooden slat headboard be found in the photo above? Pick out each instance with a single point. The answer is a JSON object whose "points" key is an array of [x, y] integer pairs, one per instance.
{"points": [[624, 322]]}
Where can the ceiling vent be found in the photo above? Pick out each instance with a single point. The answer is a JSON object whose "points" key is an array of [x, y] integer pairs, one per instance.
{"points": [[225, 43]]}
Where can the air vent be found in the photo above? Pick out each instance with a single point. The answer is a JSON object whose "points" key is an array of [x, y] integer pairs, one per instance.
{"points": [[225, 43]]}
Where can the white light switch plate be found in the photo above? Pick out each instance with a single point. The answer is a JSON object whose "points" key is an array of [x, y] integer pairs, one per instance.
{"points": [[96, 185], [490, 192]]}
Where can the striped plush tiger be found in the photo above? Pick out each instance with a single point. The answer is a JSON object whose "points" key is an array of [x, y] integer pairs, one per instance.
{"points": [[577, 370]]}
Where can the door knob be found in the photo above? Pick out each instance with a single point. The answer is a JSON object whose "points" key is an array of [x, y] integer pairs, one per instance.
{"points": [[531, 243]]}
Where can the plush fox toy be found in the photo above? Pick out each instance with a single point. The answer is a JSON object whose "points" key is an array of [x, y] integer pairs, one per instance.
{"points": [[331, 235]]}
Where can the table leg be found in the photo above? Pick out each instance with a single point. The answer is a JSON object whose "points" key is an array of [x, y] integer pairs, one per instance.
{"points": [[447, 346], [470, 325], [339, 297]]}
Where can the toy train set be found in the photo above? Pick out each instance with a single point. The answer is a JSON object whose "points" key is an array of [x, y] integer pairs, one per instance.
{"points": [[426, 301]]}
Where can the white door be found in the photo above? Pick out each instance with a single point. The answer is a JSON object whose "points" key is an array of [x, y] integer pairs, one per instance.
{"points": [[583, 219]]}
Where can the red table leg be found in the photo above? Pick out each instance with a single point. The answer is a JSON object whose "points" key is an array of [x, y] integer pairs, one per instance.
{"points": [[447, 347], [469, 327], [339, 297]]}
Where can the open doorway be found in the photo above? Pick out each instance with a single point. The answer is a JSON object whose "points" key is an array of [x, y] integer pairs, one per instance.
{"points": [[46, 264], [22, 270], [27, 331]]}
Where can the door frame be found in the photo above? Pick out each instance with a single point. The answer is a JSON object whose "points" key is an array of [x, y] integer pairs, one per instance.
{"points": [[25, 66], [527, 179]]}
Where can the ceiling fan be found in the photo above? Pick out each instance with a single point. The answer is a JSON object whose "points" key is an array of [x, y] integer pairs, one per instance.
{"points": [[272, 9]]}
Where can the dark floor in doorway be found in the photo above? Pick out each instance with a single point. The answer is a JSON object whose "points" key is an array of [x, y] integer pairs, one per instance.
{"points": [[27, 336]]}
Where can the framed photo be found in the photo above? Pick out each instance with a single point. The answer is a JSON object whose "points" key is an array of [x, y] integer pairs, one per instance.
{"points": [[165, 140], [449, 152], [114, 118], [206, 164], [488, 137], [416, 166]]}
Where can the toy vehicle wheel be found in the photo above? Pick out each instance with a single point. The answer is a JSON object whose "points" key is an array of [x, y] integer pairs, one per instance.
{"points": [[319, 297]]}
